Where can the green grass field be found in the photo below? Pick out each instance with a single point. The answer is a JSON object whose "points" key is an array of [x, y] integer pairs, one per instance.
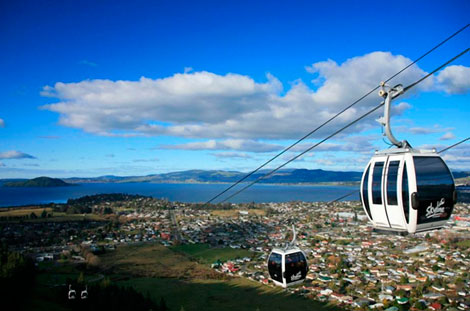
{"points": [[11, 213], [207, 255], [18, 212], [169, 273]]}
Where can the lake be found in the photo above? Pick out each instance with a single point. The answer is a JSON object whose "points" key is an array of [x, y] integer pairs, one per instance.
{"points": [[176, 192]]}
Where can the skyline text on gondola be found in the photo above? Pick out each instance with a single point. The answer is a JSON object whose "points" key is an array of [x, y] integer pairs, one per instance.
{"points": [[296, 277], [435, 212]]}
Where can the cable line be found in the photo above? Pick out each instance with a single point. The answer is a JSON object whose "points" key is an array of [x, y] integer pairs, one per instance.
{"points": [[342, 197], [337, 115], [303, 152], [335, 133], [436, 70], [454, 145]]}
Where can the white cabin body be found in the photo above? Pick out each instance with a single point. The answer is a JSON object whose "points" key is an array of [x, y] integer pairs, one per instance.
{"points": [[407, 190]]}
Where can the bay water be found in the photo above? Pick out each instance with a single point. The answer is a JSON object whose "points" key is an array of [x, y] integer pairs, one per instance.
{"points": [[192, 193]]}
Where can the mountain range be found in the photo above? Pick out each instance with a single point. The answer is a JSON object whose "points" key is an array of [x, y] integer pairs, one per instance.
{"points": [[286, 176]]}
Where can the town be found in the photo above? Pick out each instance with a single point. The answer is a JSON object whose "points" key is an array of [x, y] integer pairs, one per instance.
{"points": [[350, 265]]}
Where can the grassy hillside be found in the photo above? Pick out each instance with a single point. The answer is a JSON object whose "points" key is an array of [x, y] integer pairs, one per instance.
{"points": [[160, 272], [211, 295]]}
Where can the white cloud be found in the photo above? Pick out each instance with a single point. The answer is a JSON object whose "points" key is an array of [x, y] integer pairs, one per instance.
{"points": [[231, 111], [2, 123], [429, 130], [447, 136], [12, 154], [457, 158], [419, 130], [351, 143], [454, 79], [228, 144], [231, 155]]}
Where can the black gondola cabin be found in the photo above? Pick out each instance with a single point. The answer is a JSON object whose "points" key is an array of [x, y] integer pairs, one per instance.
{"points": [[287, 266]]}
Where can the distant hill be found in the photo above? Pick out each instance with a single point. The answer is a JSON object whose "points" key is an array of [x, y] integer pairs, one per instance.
{"points": [[287, 176], [38, 182]]}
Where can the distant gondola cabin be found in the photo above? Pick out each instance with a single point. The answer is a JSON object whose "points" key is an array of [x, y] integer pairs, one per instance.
{"points": [[287, 266]]}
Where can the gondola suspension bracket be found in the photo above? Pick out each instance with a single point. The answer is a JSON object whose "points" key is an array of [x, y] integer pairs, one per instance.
{"points": [[389, 93]]}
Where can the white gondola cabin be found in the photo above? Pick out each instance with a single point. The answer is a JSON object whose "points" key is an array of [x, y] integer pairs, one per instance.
{"points": [[405, 189], [72, 293]]}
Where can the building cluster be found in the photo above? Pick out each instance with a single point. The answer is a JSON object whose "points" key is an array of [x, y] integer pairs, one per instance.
{"points": [[349, 264]]}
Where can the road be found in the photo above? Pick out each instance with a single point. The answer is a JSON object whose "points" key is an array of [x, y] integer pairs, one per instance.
{"points": [[175, 227]]}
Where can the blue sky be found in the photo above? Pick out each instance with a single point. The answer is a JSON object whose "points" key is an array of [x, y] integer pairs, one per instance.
{"points": [[93, 88]]}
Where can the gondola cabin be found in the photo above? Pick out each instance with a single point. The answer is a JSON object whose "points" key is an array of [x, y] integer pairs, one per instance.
{"points": [[287, 266], [407, 190]]}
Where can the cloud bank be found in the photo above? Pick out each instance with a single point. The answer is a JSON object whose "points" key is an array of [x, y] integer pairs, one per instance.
{"points": [[454, 79], [234, 112], [228, 144]]}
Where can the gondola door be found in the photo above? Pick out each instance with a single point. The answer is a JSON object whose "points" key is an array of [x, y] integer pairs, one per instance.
{"points": [[275, 267], [376, 181], [295, 267], [391, 186]]}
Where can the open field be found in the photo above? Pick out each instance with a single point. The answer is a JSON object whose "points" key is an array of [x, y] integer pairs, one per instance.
{"points": [[236, 212], [207, 255], [153, 260], [15, 214], [19, 212], [160, 272]]}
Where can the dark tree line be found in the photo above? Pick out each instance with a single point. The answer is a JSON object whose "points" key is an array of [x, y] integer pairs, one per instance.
{"points": [[17, 275], [108, 296]]}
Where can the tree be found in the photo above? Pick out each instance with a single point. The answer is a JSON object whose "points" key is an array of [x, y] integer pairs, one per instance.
{"points": [[419, 305], [33, 215], [443, 300], [81, 278], [44, 213], [404, 280]]}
